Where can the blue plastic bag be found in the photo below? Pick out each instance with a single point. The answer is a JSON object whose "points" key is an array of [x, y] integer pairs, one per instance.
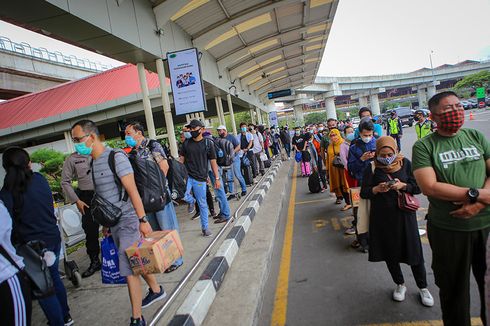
{"points": [[110, 263], [298, 156]]}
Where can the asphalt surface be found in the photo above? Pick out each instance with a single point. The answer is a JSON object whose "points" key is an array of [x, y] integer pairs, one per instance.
{"points": [[329, 283]]}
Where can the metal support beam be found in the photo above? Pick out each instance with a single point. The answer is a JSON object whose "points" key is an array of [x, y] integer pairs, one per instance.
{"points": [[167, 110], [232, 114], [150, 124]]}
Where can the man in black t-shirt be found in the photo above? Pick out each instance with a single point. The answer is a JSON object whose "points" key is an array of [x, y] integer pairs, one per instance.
{"points": [[299, 142], [196, 153]]}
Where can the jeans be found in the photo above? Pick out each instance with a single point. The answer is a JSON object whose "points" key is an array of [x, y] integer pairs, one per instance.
{"points": [[236, 170], [287, 147], [198, 188], [56, 307], [166, 219], [224, 207]]}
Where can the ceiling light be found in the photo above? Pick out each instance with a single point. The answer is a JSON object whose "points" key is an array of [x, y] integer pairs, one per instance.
{"points": [[316, 28], [223, 37], [316, 3], [271, 60], [253, 81], [315, 39], [254, 22], [194, 4], [311, 60], [313, 47], [264, 45], [276, 70], [243, 73]]}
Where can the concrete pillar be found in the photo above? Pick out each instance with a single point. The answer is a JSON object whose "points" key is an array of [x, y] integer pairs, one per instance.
{"points": [[167, 110], [188, 118], [150, 124], [268, 121], [431, 91], [422, 97], [232, 115], [363, 101], [201, 116], [330, 108], [69, 142], [252, 116], [219, 109], [375, 104], [298, 114], [259, 116]]}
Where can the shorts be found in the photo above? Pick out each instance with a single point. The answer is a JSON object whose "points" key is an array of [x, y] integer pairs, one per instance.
{"points": [[125, 233]]}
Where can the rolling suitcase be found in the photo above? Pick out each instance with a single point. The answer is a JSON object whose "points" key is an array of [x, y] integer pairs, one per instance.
{"points": [[267, 164], [247, 174]]}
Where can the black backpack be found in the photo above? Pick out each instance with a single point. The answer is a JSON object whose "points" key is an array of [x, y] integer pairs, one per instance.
{"points": [[225, 152], [177, 178], [314, 182], [150, 180]]}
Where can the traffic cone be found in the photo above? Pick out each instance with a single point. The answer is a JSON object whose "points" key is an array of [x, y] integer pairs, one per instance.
{"points": [[471, 116]]}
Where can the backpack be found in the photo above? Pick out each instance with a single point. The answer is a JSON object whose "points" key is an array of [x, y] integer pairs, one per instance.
{"points": [[314, 182], [150, 180], [177, 178], [225, 152]]}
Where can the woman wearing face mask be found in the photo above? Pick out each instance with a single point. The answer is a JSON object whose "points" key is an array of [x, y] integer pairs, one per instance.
{"points": [[344, 154], [393, 233], [338, 182]]}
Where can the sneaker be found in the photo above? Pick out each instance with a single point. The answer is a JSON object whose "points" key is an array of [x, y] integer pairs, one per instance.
{"points": [[221, 219], [195, 216], [355, 244], [350, 231], [191, 208], [206, 233], [152, 297], [212, 214], [230, 197], [399, 293], [426, 297], [244, 193], [69, 321], [138, 322]]}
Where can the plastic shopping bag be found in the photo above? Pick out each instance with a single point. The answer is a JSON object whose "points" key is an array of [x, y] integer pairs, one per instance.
{"points": [[110, 263]]}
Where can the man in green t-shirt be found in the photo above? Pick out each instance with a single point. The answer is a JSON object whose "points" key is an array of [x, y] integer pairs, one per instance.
{"points": [[452, 167]]}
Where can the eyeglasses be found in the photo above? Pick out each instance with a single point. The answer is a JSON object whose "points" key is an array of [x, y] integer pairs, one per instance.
{"points": [[79, 139]]}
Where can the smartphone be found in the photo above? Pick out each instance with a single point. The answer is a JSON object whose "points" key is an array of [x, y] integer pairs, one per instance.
{"points": [[391, 183]]}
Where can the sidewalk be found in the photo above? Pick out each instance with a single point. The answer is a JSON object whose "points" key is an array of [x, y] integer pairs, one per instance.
{"points": [[95, 303]]}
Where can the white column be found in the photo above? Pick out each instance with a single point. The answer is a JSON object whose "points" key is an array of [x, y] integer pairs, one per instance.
{"points": [[167, 110], [375, 104], [431, 91], [232, 114], [69, 142], [330, 108], [298, 114], [218, 114], [188, 118], [422, 97], [221, 111], [363, 101], [201, 116], [259, 116], [150, 124], [252, 116]]}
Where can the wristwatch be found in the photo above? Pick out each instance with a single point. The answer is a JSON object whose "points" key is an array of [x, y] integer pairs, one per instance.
{"points": [[217, 178], [473, 194], [143, 219]]}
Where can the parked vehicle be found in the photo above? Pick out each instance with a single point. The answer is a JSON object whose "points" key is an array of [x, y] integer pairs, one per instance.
{"points": [[466, 104], [405, 114], [474, 103]]}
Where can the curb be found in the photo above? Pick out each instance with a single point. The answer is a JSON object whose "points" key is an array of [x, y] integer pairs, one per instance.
{"points": [[195, 307]]}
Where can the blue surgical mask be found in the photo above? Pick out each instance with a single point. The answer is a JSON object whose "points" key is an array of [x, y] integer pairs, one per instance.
{"points": [[350, 137], [366, 139], [187, 135], [386, 160], [83, 149], [130, 141], [244, 129]]}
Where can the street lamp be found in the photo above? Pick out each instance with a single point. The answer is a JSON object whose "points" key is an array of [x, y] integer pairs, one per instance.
{"points": [[431, 66]]}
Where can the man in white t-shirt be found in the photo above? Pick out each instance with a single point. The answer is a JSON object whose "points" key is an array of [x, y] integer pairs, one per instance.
{"points": [[257, 149]]}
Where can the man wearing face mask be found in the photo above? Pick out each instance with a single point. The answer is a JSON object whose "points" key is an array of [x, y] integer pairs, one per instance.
{"points": [[365, 112], [77, 167], [257, 149], [452, 167], [331, 124], [395, 128], [286, 140], [423, 126], [142, 148], [235, 168], [361, 154]]}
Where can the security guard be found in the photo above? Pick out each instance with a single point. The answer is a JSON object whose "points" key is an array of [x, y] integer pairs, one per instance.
{"points": [[424, 126], [394, 128], [77, 167]]}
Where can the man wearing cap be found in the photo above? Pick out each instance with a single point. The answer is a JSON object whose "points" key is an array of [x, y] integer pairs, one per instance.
{"points": [[423, 126], [196, 152], [395, 129], [235, 168]]}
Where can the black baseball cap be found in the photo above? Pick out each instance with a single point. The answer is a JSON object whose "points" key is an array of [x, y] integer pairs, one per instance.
{"points": [[419, 112], [195, 123]]}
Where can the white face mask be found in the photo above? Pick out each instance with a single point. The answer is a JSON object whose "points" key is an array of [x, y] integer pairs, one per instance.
{"points": [[366, 139]]}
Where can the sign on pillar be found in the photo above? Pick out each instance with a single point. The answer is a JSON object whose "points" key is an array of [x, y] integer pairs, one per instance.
{"points": [[480, 95]]}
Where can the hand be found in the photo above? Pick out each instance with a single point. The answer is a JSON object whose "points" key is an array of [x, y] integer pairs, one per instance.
{"points": [[315, 168], [106, 231], [381, 188], [398, 185], [367, 156], [217, 184], [81, 206], [145, 229], [468, 210]]}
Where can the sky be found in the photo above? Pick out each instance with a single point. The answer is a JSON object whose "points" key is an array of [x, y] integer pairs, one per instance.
{"points": [[368, 37]]}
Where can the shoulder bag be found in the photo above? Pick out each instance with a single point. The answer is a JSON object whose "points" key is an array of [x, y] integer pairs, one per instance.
{"points": [[337, 161], [407, 202]]}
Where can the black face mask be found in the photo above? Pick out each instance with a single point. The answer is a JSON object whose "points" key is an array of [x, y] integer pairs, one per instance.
{"points": [[195, 133]]}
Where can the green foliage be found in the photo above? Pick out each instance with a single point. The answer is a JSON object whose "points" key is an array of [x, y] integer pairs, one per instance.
{"points": [[239, 118], [115, 143], [51, 163], [479, 79], [315, 117]]}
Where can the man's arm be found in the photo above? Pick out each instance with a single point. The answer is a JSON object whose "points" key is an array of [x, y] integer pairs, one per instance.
{"points": [[237, 148], [214, 167], [427, 180], [164, 166], [67, 175]]}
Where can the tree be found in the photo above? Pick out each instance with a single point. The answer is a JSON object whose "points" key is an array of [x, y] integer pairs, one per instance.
{"points": [[479, 79], [51, 163], [315, 117]]}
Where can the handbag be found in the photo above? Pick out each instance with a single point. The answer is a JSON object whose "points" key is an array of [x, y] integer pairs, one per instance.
{"points": [[263, 157], [406, 201], [110, 262], [103, 211], [337, 161], [42, 285]]}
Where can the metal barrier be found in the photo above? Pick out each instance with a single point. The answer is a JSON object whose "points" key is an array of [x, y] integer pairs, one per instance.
{"points": [[25, 49], [159, 314]]}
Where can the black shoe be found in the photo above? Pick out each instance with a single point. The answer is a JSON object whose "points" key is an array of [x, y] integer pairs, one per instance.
{"points": [[212, 214], [244, 193], [138, 322], [152, 297], [221, 219], [230, 197], [68, 320], [195, 216], [94, 267]]}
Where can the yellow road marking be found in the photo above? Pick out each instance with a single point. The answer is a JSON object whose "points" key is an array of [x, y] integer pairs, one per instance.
{"points": [[311, 201], [335, 223], [475, 321], [346, 222], [281, 298], [319, 224]]}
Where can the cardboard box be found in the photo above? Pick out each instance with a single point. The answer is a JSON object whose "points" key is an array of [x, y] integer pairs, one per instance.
{"points": [[154, 254], [355, 195]]}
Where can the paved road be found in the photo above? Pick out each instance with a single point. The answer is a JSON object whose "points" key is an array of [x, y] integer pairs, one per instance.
{"points": [[325, 282]]}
